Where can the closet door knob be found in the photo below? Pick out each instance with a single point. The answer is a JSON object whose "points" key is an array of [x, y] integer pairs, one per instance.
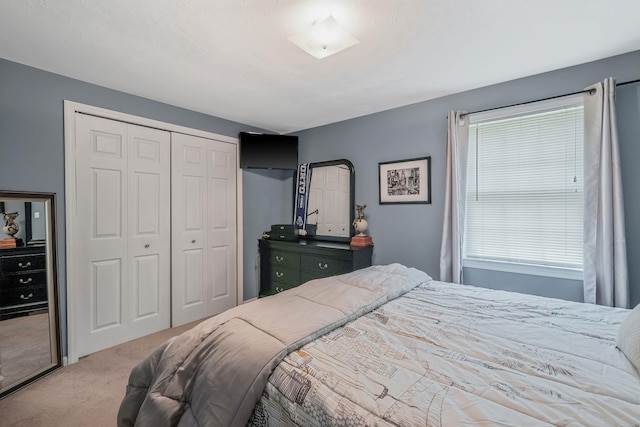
{"points": [[146, 246]]}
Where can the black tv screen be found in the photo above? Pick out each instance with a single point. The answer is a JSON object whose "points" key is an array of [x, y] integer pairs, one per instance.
{"points": [[261, 150]]}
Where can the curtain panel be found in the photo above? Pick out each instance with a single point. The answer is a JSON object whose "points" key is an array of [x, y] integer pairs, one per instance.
{"points": [[605, 249], [452, 247]]}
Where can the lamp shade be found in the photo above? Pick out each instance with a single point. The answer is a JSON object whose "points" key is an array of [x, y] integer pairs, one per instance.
{"points": [[324, 38]]}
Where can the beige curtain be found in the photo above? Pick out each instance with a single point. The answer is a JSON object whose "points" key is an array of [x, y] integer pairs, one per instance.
{"points": [[605, 249], [455, 198]]}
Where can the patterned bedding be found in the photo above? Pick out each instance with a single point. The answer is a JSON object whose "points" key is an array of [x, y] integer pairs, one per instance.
{"points": [[454, 355], [214, 374]]}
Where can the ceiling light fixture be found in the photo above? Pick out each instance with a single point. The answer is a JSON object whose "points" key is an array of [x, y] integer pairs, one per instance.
{"points": [[324, 38]]}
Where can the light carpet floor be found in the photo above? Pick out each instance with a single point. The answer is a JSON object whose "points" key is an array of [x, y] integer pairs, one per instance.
{"points": [[24, 347], [87, 393]]}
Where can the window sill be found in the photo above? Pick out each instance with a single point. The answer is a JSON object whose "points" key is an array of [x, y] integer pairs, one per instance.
{"points": [[534, 270]]}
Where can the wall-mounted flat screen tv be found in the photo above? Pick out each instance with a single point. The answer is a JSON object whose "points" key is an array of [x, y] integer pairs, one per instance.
{"points": [[265, 151]]}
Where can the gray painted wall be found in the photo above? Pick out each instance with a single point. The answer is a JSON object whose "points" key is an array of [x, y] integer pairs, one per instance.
{"points": [[32, 147], [411, 234], [628, 113], [267, 199]]}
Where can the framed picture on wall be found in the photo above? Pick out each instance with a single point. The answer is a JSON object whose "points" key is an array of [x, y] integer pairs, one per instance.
{"points": [[405, 181]]}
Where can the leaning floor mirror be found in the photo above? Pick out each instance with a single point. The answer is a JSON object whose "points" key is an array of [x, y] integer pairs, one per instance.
{"points": [[29, 334]]}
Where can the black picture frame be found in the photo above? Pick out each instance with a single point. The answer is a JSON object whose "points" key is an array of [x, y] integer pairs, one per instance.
{"points": [[405, 181]]}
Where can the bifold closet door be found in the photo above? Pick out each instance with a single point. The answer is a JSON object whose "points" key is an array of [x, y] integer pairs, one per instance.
{"points": [[122, 232], [203, 216], [330, 187]]}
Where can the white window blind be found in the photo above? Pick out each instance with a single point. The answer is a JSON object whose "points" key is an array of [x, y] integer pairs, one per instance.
{"points": [[525, 185]]}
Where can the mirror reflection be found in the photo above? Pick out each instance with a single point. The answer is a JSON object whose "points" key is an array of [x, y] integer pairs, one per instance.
{"points": [[28, 318], [331, 200]]}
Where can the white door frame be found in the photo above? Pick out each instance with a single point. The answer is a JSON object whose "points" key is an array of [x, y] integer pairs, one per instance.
{"points": [[70, 108]]}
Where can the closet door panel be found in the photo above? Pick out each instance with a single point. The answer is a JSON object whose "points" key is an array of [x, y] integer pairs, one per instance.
{"points": [[329, 202], [189, 222], [343, 201], [222, 225], [219, 258], [106, 294], [107, 187], [147, 302], [123, 222], [193, 189], [193, 268], [149, 238], [204, 227], [102, 188], [318, 195]]}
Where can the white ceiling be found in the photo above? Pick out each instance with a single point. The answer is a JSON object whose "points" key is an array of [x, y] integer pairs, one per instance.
{"points": [[232, 58]]}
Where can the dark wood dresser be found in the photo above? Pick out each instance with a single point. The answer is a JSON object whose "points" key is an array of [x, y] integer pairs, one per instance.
{"points": [[287, 264], [23, 281]]}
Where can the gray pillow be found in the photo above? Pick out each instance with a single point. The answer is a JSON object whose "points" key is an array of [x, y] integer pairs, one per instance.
{"points": [[629, 337]]}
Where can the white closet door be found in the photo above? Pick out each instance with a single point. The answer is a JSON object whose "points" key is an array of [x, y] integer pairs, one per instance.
{"points": [[203, 227], [330, 202], [329, 194], [189, 236], [114, 307], [343, 202], [316, 200], [222, 227], [149, 225]]}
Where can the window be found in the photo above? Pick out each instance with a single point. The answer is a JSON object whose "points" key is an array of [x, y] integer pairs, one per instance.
{"points": [[525, 188]]}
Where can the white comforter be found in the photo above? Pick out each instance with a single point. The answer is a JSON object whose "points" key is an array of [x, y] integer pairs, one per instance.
{"points": [[455, 355]]}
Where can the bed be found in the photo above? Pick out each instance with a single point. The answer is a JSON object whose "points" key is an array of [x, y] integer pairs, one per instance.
{"points": [[389, 346]]}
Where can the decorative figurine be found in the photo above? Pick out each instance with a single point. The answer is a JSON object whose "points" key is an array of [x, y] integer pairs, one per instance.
{"points": [[360, 225], [10, 227]]}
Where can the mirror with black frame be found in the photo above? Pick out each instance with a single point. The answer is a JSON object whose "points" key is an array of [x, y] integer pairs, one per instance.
{"points": [[29, 334], [331, 200]]}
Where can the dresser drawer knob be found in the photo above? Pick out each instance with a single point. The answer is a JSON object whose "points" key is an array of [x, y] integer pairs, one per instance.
{"points": [[24, 282], [278, 289], [279, 275], [21, 265], [279, 258], [146, 246], [323, 266], [27, 297]]}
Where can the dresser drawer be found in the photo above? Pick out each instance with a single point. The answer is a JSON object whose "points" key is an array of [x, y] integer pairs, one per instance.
{"points": [[285, 259], [15, 263], [22, 295], [20, 280], [279, 287], [284, 276], [324, 266]]}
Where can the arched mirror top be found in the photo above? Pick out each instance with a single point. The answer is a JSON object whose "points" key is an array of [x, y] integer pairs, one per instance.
{"points": [[330, 202]]}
